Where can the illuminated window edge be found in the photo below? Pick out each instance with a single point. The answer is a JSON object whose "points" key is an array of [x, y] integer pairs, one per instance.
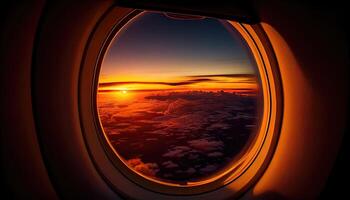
{"points": [[235, 183]]}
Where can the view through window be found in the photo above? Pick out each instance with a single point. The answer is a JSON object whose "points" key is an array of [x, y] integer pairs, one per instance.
{"points": [[179, 99]]}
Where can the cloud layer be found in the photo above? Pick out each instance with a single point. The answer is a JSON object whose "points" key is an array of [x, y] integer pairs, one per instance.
{"points": [[179, 136], [190, 80]]}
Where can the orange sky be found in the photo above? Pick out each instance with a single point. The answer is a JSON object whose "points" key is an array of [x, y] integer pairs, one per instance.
{"points": [[199, 82], [155, 52]]}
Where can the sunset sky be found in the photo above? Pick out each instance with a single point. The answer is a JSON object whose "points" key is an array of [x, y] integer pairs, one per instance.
{"points": [[155, 52], [176, 94]]}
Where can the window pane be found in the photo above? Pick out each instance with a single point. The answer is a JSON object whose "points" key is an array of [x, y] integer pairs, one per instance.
{"points": [[179, 98]]}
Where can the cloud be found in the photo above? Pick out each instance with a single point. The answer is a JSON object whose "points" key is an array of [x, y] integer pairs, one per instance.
{"points": [[188, 132], [190, 170], [177, 106], [170, 164], [148, 169], [224, 75], [187, 82], [218, 126], [208, 168], [234, 78], [192, 156], [113, 131], [177, 152], [231, 78], [215, 154], [174, 153], [205, 144]]}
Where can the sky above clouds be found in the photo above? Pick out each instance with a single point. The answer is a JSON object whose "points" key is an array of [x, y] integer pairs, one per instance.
{"points": [[153, 47]]}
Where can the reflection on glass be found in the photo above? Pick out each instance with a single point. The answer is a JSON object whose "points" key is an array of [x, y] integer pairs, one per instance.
{"points": [[178, 98]]}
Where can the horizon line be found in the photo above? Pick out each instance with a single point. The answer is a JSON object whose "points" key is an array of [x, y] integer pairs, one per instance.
{"points": [[197, 79], [158, 90]]}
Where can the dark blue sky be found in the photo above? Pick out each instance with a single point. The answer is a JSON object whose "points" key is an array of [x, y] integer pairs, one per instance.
{"points": [[154, 46]]}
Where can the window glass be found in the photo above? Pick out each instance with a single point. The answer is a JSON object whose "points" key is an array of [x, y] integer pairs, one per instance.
{"points": [[179, 98]]}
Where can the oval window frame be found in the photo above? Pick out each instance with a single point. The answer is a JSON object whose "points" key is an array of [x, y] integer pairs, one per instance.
{"points": [[126, 181]]}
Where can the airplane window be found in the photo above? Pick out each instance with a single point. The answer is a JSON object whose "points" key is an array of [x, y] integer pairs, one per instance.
{"points": [[179, 98]]}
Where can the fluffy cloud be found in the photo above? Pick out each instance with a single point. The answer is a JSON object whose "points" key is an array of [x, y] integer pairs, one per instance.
{"points": [[208, 169], [148, 169], [170, 164], [205, 144], [177, 152], [182, 135]]}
